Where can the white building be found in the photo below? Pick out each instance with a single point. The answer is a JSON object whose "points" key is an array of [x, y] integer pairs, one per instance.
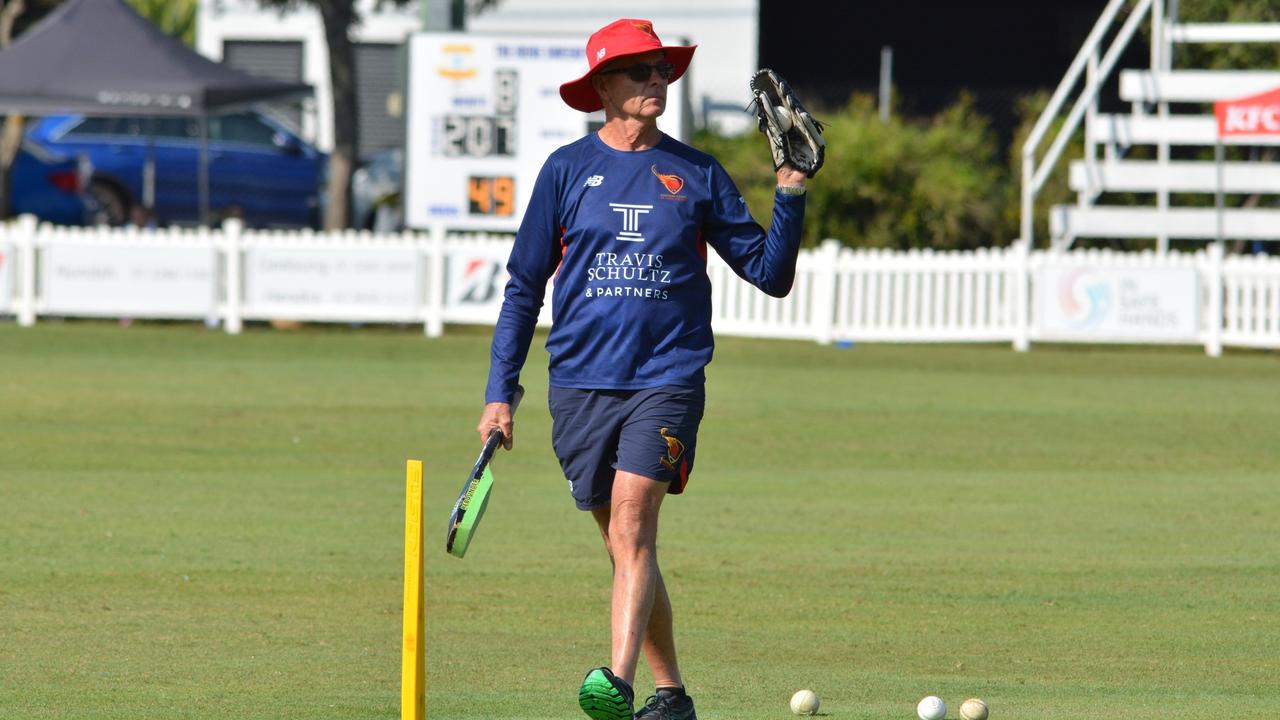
{"points": [[725, 31], [291, 46]]}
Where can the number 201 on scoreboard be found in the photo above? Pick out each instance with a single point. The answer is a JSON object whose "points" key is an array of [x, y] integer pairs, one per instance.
{"points": [[492, 195]]}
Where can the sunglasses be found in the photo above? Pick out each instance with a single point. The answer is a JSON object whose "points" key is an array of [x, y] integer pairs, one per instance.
{"points": [[641, 72]]}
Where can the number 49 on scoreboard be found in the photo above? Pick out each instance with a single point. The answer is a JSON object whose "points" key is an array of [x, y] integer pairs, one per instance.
{"points": [[494, 196]]}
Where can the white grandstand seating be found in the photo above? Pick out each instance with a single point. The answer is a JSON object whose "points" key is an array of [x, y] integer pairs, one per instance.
{"points": [[1182, 176], [1194, 86], [1127, 130], [1116, 221], [1226, 33], [1153, 123]]}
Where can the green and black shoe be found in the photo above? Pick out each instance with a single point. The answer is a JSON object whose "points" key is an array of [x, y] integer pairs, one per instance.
{"points": [[668, 706], [604, 696]]}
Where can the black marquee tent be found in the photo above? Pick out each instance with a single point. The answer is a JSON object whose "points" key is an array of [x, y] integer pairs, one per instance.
{"points": [[99, 57]]}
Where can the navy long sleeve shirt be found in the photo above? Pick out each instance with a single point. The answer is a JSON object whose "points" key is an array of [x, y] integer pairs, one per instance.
{"points": [[626, 236]]}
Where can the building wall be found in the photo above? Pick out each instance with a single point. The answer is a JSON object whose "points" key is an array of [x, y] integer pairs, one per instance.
{"points": [[725, 30], [223, 20]]}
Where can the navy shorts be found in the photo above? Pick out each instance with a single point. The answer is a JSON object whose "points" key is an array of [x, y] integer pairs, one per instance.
{"points": [[651, 432]]}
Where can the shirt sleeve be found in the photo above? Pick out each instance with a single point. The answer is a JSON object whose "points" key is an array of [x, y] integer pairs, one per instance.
{"points": [[767, 261], [534, 257]]}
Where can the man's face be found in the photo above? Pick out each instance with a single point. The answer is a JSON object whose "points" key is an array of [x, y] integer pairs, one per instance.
{"points": [[622, 96]]}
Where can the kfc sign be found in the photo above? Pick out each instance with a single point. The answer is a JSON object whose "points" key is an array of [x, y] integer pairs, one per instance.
{"points": [[1254, 115]]}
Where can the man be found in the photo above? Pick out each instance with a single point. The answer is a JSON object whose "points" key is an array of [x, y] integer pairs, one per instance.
{"points": [[623, 218]]}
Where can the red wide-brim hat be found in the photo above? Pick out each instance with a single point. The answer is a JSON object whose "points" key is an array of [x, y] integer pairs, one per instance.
{"points": [[620, 38]]}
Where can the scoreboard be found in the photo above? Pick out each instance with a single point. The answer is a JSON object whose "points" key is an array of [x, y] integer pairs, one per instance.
{"points": [[484, 113]]}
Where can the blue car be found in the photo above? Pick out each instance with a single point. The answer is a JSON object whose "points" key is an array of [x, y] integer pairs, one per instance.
{"points": [[50, 186], [259, 169]]}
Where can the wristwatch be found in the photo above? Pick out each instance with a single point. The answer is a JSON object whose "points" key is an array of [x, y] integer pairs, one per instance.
{"points": [[791, 189]]}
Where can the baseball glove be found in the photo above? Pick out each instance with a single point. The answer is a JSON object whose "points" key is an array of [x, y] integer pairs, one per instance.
{"points": [[794, 136]]}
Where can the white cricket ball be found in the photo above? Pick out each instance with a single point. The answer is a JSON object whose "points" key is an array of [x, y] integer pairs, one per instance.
{"points": [[974, 709], [804, 702], [931, 708], [783, 117]]}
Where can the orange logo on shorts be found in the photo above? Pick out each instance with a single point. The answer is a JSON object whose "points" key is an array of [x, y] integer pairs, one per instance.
{"points": [[675, 449]]}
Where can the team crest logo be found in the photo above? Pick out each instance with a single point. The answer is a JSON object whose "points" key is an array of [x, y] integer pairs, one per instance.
{"points": [[673, 183], [675, 449], [644, 27]]}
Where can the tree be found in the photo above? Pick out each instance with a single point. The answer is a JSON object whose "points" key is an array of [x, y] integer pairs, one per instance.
{"points": [[338, 17], [11, 135], [176, 18], [15, 15], [908, 183]]}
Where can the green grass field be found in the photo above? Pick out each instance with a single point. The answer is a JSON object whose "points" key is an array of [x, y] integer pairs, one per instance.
{"points": [[194, 525]]}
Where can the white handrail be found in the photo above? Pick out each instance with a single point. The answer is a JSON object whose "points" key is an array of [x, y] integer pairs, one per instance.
{"points": [[1090, 92], [1074, 71], [1030, 185]]}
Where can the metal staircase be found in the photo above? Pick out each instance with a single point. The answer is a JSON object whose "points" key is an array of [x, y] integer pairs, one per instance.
{"points": [[1109, 138]]}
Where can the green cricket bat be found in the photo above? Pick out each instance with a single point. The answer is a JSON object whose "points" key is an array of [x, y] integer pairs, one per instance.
{"points": [[474, 498]]}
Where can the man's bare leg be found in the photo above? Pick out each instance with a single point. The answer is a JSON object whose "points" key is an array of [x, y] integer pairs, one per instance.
{"points": [[659, 638], [633, 540]]}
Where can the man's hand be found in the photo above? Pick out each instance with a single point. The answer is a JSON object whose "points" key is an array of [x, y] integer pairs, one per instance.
{"points": [[790, 176], [497, 415]]}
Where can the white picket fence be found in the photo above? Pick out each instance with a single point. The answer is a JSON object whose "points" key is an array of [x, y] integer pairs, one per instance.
{"points": [[229, 276], [1249, 307], [841, 294]]}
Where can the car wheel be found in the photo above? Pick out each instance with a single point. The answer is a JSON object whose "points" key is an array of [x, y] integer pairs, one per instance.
{"points": [[110, 205]]}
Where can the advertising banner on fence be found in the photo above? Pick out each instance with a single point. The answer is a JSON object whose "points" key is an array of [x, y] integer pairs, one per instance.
{"points": [[126, 281], [473, 286], [484, 114], [8, 267], [1096, 304], [337, 284], [475, 279]]}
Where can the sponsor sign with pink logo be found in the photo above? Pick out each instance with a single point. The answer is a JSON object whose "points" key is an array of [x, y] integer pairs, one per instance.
{"points": [[1098, 304]]}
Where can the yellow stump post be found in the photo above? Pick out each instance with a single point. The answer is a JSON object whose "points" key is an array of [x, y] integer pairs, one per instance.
{"points": [[413, 671]]}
